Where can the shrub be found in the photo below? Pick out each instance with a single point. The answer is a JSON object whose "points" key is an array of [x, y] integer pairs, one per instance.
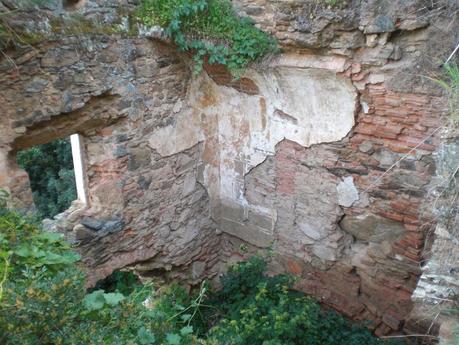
{"points": [[40, 285], [210, 29], [44, 299], [262, 310]]}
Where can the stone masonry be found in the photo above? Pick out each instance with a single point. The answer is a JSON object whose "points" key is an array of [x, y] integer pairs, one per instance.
{"points": [[323, 154]]}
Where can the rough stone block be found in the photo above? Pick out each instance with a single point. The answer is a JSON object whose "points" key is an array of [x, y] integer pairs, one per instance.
{"points": [[234, 212], [82, 233], [139, 157], [249, 233], [324, 253], [347, 192], [371, 228], [264, 221]]}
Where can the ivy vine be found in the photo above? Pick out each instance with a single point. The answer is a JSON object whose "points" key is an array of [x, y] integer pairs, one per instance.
{"points": [[209, 29]]}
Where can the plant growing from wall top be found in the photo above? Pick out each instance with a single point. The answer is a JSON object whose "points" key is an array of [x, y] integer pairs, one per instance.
{"points": [[210, 30]]}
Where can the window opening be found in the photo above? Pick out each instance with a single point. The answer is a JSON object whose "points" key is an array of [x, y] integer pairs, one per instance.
{"points": [[77, 149], [56, 174]]}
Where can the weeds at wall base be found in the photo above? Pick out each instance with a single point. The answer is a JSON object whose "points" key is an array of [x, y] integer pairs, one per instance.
{"points": [[45, 302]]}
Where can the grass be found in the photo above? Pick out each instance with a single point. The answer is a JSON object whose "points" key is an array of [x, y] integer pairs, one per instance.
{"points": [[451, 85]]}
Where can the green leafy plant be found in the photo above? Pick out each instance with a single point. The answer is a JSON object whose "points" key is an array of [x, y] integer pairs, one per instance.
{"points": [[38, 280], [261, 309], [4, 195], [99, 299], [45, 301], [210, 29], [29, 248], [451, 85]]}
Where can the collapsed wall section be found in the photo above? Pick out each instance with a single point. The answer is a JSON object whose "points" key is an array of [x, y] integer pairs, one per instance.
{"points": [[322, 154], [308, 106], [142, 207]]}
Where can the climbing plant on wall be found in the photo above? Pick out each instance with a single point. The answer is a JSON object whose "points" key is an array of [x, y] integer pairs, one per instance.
{"points": [[209, 29], [52, 179]]}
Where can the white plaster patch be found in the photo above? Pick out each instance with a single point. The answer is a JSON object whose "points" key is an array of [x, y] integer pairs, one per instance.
{"points": [[307, 106], [347, 192], [333, 63]]}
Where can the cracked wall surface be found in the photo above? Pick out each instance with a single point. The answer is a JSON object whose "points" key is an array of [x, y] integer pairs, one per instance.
{"points": [[321, 154], [142, 206], [308, 106]]}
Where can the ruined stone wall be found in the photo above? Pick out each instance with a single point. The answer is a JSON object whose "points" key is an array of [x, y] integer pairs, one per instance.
{"points": [[353, 216], [142, 206], [322, 153], [438, 286]]}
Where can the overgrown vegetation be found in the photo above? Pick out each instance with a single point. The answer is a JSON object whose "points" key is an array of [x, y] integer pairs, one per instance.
{"points": [[52, 179], [10, 36], [451, 85], [210, 30], [44, 301], [259, 309]]}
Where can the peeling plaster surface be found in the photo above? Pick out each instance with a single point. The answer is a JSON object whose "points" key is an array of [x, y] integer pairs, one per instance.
{"points": [[307, 106], [173, 161]]}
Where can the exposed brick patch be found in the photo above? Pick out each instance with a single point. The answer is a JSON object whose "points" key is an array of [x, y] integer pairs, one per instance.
{"points": [[221, 76], [380, 285], [127, 90], [399, 121]]}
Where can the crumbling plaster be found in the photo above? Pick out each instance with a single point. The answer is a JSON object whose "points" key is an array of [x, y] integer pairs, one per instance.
{"points": [[305, 105], [183, 171]]}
